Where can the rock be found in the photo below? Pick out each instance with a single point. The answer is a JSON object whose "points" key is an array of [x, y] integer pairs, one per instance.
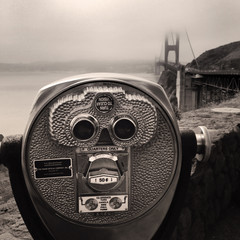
{"points": [[209, 184], [220, 185], [197, 230], [7, 236], [211, 216], [184, 224]]}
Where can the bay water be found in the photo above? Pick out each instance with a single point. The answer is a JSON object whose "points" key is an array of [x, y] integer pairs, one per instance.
{"points": [[18, 91]]}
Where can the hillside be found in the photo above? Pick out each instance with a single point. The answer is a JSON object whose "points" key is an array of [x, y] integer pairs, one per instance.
{"points": [[225, 57]]}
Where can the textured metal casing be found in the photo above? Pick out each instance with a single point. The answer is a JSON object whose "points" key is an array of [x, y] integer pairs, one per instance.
{"points": [[111, 226]]}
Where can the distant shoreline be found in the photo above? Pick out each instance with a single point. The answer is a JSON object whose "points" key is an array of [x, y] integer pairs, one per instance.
{"points": [[81, 66]]}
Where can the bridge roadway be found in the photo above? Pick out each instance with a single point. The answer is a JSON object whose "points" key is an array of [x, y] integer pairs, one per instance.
{"points": [[174, 67], [232, 72], [224, 80], [199, 87]]}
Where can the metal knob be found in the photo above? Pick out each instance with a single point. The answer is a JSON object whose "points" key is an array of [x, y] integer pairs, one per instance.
{"points": [[204, 143]]}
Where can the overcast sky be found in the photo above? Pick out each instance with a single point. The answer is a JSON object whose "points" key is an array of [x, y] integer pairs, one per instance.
{"points": [[63, 30]]}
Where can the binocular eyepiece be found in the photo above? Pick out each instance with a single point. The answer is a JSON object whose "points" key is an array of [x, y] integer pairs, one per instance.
{"points": [[85, 127], [103, 158]]}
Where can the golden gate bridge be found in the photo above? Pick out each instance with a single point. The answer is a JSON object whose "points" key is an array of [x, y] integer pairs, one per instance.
{"points": [[196, 87]]}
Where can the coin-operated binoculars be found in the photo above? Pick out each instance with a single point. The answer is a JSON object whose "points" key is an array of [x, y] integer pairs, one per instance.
{"points": [[102, 158]]}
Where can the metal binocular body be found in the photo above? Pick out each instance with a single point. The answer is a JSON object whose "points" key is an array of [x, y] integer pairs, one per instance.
{"points": [[102, 158]]}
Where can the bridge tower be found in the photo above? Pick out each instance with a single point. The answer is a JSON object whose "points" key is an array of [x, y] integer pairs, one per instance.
{"points": [[171, 47]]}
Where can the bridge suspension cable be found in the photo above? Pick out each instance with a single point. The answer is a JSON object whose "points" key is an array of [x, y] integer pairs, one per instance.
{"points": [[192, 50]]}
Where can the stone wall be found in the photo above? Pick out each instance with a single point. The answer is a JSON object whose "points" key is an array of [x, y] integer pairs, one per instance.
{"points": [[212, 189]]}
